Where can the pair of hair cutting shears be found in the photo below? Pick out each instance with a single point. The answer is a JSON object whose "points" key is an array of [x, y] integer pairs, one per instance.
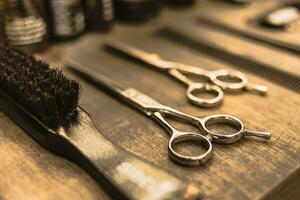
{"points": [[159, 112], [219, 80]]}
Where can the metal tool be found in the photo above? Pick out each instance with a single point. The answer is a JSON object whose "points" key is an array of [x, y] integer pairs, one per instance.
{"points": [[286, 17], [158, 111], [220, 79]]}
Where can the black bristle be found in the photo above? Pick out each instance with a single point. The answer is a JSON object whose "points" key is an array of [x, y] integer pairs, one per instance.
{"points": [[45, 92]]}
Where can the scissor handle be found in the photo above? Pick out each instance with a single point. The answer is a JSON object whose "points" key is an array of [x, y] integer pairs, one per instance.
{"points": [[224, 138], [239, 77], [181, 137], [187, 160], [200, 87]]}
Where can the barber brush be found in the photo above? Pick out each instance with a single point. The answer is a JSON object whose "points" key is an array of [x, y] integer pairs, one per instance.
{"points": [[44, 102]]}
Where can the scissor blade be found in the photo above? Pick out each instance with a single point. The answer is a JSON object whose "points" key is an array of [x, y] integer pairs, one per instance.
{"points": [[94, 77], [149, 58], [134, 97]]}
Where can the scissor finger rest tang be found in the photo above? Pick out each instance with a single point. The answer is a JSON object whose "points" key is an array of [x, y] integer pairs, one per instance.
{"points": [[229, 138]]}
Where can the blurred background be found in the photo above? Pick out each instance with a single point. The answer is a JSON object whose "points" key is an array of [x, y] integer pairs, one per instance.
{"points": [[35, 24]]}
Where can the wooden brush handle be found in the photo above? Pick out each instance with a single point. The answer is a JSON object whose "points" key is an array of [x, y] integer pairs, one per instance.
{"points": [[136, 179]]}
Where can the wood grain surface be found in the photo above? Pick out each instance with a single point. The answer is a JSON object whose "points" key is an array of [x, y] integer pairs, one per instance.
{"points": [[248, 169]]}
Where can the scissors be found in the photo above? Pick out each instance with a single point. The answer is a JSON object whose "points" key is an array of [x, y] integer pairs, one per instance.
{"points": [[158, 112], [236, 81]]}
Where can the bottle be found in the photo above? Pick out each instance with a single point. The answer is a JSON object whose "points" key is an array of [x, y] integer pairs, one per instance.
{"points": [[181, 2], [99, 14], [2, 37], [137, 10], [66, 18], [24, 24]]}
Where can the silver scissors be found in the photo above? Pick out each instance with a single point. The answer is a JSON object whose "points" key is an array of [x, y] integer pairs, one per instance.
{"points": [[158, 112], [179, 71]]}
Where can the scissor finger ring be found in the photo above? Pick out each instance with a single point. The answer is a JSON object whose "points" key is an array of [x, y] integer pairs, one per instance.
{"points": [[200, 88], [236, 81], [188, 160]]}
